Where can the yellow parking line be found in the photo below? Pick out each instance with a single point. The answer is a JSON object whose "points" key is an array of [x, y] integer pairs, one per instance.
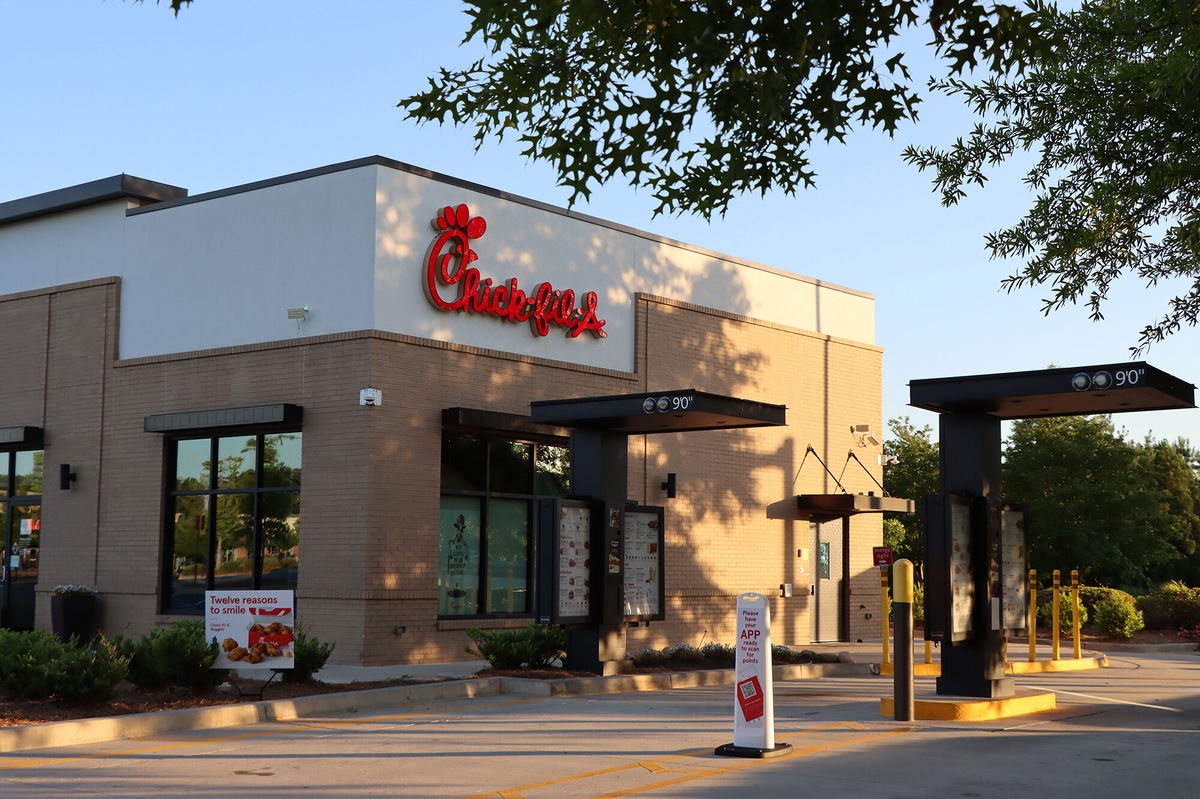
{"points": [[702, 772], [807, 750], [292, 726]]}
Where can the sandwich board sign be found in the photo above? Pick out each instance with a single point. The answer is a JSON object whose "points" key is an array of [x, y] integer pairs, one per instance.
{"points": [[253, 629], [753, 705]]}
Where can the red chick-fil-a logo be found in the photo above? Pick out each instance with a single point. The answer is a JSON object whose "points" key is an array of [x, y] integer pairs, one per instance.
{"points": [[452, 284]]}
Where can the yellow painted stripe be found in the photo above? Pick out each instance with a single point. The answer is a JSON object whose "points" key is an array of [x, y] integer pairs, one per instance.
{"points": [[841, 725], [751, 762], [291, 727]]}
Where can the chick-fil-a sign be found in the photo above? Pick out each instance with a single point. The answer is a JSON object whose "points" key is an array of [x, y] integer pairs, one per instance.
{"points": [[452, 284]]}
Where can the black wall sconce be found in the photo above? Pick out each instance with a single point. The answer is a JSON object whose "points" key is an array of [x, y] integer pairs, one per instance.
{"points": [[65, 476], [668, 485]]}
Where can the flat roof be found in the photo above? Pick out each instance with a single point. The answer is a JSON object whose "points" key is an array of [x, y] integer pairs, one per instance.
{"points": [[1066, 391], [659, 412], [97, 191]]}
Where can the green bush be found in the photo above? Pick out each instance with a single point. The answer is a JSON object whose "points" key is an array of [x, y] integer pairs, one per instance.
{"points": [[718, 654], [918, 604], [36, 665], [534, 647], [1066, 611], [309, 656], [87, 671], [1171, 607], [24, 661], [176, 655], [1117, 615]]}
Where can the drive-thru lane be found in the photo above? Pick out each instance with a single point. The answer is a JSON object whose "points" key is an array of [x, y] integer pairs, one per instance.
{"points": [[1132, 729]]}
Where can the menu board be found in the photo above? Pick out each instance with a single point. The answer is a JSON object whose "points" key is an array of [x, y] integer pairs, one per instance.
{"points": [[643, 533], [1014, 613], [574, 560], [962, 582]]}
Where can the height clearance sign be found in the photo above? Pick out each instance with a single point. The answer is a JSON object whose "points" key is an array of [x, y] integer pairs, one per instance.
{"points": [[754, 712], [254, 629]]}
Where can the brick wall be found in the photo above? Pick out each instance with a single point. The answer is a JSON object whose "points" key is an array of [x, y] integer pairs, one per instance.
{"points": [[369, 518]]}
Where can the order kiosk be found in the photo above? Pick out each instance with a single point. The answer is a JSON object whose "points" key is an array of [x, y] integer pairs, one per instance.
{"points": [[600, 562], [975, 558]]}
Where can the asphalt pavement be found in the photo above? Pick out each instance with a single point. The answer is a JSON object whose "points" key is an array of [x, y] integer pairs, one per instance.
{"points": [[1132, 729]]}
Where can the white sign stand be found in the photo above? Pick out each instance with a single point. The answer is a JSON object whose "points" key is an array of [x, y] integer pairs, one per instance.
{"points": [[753, 704]]}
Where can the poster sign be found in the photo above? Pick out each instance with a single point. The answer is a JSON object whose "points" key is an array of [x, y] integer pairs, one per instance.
{"points": [[254, 629], [962, 576], [883, 555], [568, 561], [753, 710], [643, 593], [1014, 567]]}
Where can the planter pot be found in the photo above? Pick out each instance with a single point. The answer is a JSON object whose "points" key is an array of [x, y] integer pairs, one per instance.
{"points": [[75, 615]]}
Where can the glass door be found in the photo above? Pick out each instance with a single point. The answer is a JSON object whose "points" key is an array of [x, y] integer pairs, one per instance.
{"points": [[21, 566], [20, 535]]}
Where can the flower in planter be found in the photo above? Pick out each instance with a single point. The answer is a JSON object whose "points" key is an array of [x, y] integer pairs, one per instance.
{"points": [[64, 590]]}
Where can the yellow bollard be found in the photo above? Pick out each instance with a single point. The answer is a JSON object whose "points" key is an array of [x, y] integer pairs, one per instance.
{"points": [[1075, 608], [1032, 615], [902, 680], [929, 651], [886, 604], [1055, 583]]}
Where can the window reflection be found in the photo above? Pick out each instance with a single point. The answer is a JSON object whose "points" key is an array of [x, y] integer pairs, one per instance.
{"points": [[510, 462], [192, 459], [553, 477], [508, 556], [490, 575], [27, 472], [236, 526], [281, 460], [236, 462]]}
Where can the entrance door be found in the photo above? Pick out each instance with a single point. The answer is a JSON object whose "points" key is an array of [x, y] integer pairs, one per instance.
{"points": [[23, 546], [827, 579], [20, 536]]}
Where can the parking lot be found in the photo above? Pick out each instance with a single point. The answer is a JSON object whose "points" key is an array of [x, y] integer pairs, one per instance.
{"points": [[1131, 729]]}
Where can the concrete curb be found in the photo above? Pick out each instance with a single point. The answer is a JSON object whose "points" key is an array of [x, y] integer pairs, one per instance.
{"points": [[1101, 646], [140, 725], [624, 683]]}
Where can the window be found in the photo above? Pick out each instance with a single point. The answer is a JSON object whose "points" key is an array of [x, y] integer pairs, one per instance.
{"points": [[488, 488], [235, 526]]}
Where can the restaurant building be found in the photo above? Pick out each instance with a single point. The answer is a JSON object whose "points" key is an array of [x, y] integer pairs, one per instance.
{"points": [[323, 381]]}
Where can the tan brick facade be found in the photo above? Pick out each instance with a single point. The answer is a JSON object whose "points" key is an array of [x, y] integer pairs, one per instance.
{"points": [[370, 497]]}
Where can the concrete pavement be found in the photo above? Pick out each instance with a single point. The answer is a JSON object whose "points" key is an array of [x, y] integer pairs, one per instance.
{"points": [[1131, 729]]}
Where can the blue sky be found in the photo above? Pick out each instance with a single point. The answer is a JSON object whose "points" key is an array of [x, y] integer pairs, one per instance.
{"points": [[234, 91]]}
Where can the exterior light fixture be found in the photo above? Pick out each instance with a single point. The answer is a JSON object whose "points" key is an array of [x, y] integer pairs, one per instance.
{"points": [[370, 396], [65, 476], [299, 314], [864, 434]]}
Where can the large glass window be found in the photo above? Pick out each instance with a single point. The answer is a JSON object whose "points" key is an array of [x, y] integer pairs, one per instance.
{"points": [[486, 540], [234, 516]]}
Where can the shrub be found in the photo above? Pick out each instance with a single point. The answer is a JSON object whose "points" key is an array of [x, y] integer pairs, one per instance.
{"points": [[1117, 615], [684, 653], [24, 661], [176, 655], [534, 647], [718, 654], [1171, 609], [650, 657], [36, 665], [309, 656], [86, 672], [1066, 612], [918, 604]]}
